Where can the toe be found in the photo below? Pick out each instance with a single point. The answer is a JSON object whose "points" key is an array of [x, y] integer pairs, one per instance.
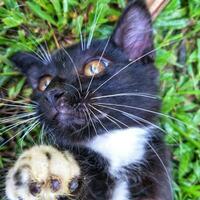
{"points": [[35, 188], [55, 184]]}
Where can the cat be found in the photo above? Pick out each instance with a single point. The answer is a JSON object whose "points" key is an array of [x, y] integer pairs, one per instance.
{"points": [[100, 103]]}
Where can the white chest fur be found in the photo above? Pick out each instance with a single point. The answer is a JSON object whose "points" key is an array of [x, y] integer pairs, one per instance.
{"points": [[121, 191], [121, 147]]}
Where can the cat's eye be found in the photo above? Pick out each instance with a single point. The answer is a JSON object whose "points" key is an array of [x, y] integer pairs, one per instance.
{"points": [[95, 67], [44, 82]]}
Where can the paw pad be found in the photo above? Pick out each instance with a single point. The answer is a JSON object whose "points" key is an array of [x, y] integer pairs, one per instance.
{"points": [[34, 188], [55, 184], [74, 185]]}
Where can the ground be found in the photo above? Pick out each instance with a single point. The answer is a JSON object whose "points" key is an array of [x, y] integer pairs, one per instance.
{"points": [[26, 24]]}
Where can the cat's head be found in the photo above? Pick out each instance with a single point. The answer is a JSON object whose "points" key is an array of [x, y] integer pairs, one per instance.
{"points": [[109, 85]]}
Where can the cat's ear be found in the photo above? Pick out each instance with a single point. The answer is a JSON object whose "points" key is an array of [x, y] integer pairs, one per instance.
{"points": [[30, 65], [134, 30]]}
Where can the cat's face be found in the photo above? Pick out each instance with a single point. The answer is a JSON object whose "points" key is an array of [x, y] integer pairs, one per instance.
{"points": [[82, 93]]}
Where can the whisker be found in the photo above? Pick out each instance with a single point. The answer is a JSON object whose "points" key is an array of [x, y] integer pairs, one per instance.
{"points": [[150, 111], [87, 91], [10, 127], [90, 119], [85, 38], [88, 124], [15, 118], [80, 23], [1, 145], [81, 35], [138, 122], [109, 117], [96, 18], [32, 102], [133, 117], [18, 133], [99, 121], [162, 163], [41, 52], [47, 51], [75, 68], [51, 137], [37, 55], [33, 125], [167, 173], [79, 94], [16, 102], [129, 64], [82, 128], [42, 133], [128, 94], [16, 105], [45, 56]]}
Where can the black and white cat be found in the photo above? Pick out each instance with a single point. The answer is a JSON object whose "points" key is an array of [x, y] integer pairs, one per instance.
{"points": [[100, 105]]}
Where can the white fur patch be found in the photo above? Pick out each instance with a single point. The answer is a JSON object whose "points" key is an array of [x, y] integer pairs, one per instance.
{"points": [[121, 191], [121, 147]]}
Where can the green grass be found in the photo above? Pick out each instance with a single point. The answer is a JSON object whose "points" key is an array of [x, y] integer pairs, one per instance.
{"points": [[25, 24]]}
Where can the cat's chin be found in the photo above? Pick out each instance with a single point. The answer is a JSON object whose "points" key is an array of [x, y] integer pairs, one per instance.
{"points": [[65, 120]]}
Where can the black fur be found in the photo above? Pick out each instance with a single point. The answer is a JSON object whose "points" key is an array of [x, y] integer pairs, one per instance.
{"points": [[131, 39], [97, 183]]}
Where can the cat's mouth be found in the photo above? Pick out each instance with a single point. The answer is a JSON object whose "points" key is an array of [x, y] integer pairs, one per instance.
{"points": [[64, 116], [67, 117]]}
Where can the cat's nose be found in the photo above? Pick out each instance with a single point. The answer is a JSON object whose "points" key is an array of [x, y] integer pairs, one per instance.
{"points": [[59, 100], [53, 95]]}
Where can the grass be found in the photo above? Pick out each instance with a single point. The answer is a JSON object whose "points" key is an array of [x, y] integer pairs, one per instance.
{"points": [[26, 24]]}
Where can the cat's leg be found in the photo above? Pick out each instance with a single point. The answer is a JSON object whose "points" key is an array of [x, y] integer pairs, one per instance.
{"points": [[44, 173]]}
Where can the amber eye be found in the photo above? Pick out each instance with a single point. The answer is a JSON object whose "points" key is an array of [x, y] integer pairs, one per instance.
{"points": [[44, 82], [95, 67]]}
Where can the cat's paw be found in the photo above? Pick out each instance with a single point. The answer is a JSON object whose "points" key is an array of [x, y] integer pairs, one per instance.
{"points": [[43, 173]]}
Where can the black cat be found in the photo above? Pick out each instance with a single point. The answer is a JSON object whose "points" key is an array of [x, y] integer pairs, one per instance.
{"points": [[102, 100]]}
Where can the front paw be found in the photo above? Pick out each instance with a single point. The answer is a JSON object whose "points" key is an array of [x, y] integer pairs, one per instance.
{"points": [[43, 173]]}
